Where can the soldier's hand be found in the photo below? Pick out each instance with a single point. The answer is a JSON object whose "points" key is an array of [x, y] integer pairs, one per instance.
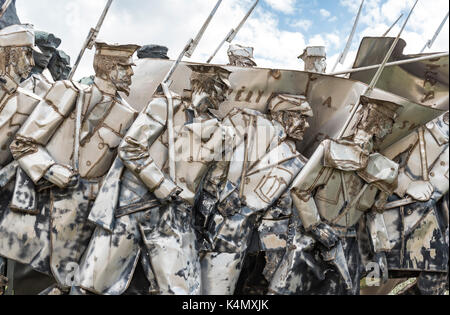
{"points": [[325, 234], [62, 176], [231, 205], [420, 190]]}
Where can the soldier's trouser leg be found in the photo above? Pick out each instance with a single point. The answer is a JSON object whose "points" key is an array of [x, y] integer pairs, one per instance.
{"points": [[432, 283], [70, 230], [230, 238], [172, 246], [24, 238]]}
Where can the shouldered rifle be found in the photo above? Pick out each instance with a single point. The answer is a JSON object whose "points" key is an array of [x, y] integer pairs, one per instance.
{"points": [[88, 44], [90, 39], [233, 32], [188, 50], [431, 41], [4, 7], [377, 75]]}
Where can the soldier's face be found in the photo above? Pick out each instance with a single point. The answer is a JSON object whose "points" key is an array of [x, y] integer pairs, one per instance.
{"points": [[42, 60], [24, 61], [121, 77], [294, 123]]}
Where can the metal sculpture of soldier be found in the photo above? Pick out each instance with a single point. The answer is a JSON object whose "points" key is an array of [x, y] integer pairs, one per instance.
{"points": [[413, 231], [150, 215], [341, 181], [66, 147], [262, 165], [16, 103]]}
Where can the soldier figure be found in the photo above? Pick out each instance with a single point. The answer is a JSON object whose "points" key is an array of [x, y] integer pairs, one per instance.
{"points": [[16, 103], [416, 226], [330, 199], [150, 207], [262, 166], [314, 58], [66, 147], [241, 56]]}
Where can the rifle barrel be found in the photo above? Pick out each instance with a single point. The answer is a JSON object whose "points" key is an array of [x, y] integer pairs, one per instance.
{"points": [[391, 64], [5, 7]]}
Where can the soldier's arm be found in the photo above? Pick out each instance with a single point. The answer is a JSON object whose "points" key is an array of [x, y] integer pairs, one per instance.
{"points": [[310, 177], [28, 147], [134, 149]]}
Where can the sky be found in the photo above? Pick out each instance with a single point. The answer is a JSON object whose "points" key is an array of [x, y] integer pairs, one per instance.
{"points": [[278, 30]]}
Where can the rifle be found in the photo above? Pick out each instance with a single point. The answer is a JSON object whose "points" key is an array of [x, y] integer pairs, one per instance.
{"points": [[188, 50], [90, 39], [377, 75], [88, 44], [431, 41], [4, 7], [350, 39], [233, 32], [337, 255]]}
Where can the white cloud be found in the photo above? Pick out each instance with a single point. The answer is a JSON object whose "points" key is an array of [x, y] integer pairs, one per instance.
{"points": [[303, 24], [325, 13], [285, 6], [170, 23], [333, 19]]}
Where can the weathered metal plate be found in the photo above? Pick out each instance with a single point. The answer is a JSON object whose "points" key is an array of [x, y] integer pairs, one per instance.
{"points": [[332, 98]]}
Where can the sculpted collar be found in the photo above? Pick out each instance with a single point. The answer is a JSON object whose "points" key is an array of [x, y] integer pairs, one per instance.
{"points": [[105, 86]]}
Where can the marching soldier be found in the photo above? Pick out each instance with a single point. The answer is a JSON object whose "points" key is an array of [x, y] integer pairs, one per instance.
{"points": [[341, 181], [66, 147], [262, 166], [150, 207], [17, 45], [416, 219]]}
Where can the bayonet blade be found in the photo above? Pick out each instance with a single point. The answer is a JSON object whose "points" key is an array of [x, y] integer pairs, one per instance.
{"points": [[430, 43], [344, 54]]}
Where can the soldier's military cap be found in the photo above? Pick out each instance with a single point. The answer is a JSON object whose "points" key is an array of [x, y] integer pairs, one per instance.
{"points": [[212, 72], [292, 103], [153, 51], [240, 51], [387, 108], [122, 54], [47, 40], [19, 35]]}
